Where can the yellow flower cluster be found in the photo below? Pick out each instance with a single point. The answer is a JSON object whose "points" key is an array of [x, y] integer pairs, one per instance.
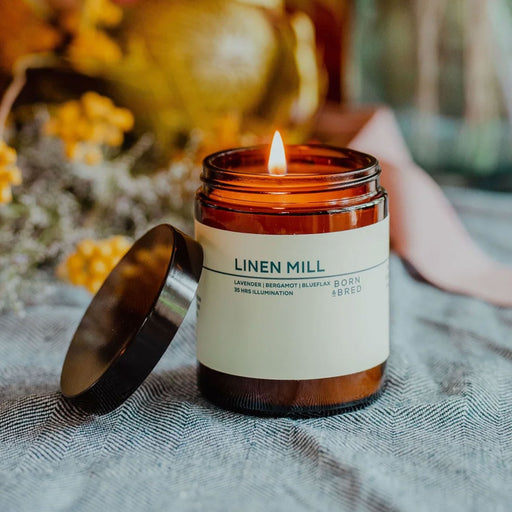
{"points": [[9, 174], [102, 12], [92, 13], [92, 261], [87, 124], [92, 49]]}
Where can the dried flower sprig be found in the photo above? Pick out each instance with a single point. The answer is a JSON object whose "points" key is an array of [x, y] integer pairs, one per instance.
{"points": [[63, 202], [88, 124], [10, 174]]}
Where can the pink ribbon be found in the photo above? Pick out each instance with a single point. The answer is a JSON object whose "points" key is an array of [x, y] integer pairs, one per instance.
{"points": [[425, 229]]}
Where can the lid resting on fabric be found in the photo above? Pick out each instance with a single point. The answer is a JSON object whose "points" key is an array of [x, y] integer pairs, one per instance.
{"points": [[132, 319]]}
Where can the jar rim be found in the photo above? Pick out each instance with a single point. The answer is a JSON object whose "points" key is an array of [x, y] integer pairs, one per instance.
{"points": [[306, 162]]}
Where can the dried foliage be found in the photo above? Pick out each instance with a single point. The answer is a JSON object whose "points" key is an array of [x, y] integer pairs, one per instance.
{"points": [[63, 202]]}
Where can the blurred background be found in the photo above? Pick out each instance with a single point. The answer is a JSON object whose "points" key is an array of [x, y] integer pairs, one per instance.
{"points": [[109, 106]]}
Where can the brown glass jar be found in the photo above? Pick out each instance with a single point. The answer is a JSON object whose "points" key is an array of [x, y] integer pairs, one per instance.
{"points": [[293, 314]]}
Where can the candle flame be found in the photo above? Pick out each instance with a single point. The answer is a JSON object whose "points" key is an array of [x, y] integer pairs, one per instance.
{"points": [[277, 159]]}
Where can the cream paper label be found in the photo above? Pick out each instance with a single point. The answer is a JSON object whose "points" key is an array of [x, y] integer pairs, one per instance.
{"points": [[293, 306]]}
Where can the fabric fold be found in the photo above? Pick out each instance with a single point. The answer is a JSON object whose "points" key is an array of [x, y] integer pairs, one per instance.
{"points": [[425, 229]]}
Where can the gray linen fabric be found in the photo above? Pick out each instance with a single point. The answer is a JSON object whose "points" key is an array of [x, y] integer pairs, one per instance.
{"points": [[440, 437]]}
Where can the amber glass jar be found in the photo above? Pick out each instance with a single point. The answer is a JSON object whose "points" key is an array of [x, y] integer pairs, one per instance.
{"points": [[293, 313]]}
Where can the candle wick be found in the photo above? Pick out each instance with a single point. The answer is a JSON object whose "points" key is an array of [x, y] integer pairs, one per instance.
{"points": [[277, 170]]}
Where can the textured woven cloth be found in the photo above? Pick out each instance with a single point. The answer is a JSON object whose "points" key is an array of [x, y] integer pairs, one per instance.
{"points": [[439, 438]]}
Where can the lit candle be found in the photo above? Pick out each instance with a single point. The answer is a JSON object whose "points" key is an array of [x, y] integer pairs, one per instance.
{"points": [[293, 298], [277, 158]]}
